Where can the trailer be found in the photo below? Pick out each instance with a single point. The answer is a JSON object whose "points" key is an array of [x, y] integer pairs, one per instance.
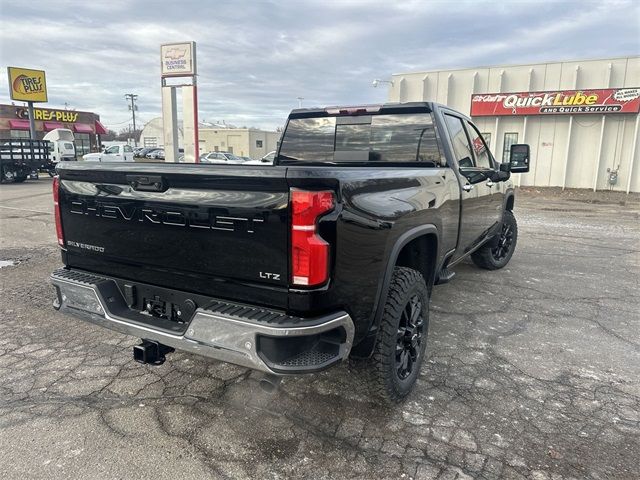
{"points": [[21, 158]]}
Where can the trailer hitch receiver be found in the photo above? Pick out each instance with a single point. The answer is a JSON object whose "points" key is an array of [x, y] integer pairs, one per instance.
{"points": [[152, 353]]}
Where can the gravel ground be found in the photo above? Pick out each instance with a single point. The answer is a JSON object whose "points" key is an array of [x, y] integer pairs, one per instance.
{"points": [[533, 372]]}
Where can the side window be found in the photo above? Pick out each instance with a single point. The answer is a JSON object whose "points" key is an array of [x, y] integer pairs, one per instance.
{"points": [[128, 149], [509, 139], [480, 148], [459, 140], [113, 149], [487, 138]]}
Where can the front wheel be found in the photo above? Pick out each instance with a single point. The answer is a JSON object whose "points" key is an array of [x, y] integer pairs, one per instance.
{"points": [[402, 339], [8, 176], [497, 252]]}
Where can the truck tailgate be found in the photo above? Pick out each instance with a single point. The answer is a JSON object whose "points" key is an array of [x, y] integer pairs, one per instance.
{"points": [[191, 227]]}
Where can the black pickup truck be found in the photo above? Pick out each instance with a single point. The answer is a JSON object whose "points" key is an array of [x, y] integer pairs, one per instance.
{"points": [[331, 252]]}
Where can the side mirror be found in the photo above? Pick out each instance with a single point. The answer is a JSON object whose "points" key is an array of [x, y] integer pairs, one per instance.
{"points": [[474, 175], [519, 158]]}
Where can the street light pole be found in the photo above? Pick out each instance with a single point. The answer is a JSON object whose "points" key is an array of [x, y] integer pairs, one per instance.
{"points": [[133, 108]]}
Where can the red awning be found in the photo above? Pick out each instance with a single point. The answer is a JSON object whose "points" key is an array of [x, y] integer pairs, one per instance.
{"points": [[19, 124], [100, 129], [48, 126], [82, 128]]}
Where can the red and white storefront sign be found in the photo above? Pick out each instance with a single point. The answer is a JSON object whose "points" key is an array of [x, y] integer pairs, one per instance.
{"points": [[559, 102]]}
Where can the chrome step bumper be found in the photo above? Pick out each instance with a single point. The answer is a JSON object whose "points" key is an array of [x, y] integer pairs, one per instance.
{"points": [[211, 332]]}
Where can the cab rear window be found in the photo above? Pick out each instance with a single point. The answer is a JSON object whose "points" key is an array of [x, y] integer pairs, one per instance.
{"points": [[399, 138]]}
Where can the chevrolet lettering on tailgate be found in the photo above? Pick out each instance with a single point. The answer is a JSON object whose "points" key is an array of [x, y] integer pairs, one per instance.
{"points": [[161, 216]]}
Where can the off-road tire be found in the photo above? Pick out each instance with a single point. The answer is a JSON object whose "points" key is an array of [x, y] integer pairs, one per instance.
{"points": [[497, 252], [406, 285]]}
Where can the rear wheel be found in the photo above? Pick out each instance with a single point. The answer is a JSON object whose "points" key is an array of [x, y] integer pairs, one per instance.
{"points": [[402, 339], [496, 253]]}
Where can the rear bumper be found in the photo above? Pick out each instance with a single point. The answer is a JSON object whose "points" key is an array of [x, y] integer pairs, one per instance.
{"points": [[245, 335]]}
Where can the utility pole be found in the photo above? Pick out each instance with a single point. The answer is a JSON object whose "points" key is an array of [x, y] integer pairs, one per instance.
{"points": [[133, 107]]}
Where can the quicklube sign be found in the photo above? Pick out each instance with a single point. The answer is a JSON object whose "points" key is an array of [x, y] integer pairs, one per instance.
{"points": [[608, 100]]}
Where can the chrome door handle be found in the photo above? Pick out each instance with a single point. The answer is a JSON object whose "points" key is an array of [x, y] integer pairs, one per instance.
{"points": [[489, 183], [467, 187]]}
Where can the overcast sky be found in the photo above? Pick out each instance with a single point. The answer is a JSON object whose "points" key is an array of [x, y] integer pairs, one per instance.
{"points": [[256, 57]]}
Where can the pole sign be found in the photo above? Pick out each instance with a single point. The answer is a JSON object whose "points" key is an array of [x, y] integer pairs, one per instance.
{"points": [[557, 102], [26, 85], [178, 59]]}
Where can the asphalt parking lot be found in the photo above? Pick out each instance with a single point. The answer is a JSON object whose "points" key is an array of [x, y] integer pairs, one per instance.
{"points": [[533, 372]]}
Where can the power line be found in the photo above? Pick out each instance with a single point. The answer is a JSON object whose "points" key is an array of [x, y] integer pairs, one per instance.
{"points": [[118, 123]]}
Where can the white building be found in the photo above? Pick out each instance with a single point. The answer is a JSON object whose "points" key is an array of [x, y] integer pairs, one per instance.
{"points": [[570, 146], [152, 134], [246, 142]]}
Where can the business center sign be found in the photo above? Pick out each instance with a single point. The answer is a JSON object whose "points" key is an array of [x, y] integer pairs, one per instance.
{"points": [[178, 59], [26, 85], [559, 102]]}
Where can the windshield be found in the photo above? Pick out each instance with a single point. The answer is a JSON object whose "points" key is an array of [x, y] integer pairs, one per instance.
{"points": [[357, 139]]}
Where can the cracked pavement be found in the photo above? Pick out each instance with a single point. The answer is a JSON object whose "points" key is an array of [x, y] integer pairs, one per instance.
{"points": [[533, 371]]}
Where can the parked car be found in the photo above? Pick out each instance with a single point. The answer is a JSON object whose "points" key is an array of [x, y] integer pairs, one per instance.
{"points": [[221, 158], [269, 157], [142, 153], [330, 253], [114, 153], [266, 160], [157, 153]]}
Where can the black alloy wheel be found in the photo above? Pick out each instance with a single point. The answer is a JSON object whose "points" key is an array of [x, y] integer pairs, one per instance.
{"points": [[410, 332], [503, 246], [498, 251]]}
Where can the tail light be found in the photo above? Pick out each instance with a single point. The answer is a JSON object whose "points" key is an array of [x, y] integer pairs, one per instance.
{"points": [[309, 252], [56, 209]]}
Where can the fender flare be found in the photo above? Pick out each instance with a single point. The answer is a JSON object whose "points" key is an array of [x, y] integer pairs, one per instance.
{"points": [[383, 287], [508, 195]]}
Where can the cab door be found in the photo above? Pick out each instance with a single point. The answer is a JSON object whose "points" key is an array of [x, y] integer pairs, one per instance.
{"points": [[474, 221], [492, 192], [112, 154], [128, 153]]}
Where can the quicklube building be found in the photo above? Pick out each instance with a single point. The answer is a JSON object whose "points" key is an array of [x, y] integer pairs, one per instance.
{"points": [[580, 117]]}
